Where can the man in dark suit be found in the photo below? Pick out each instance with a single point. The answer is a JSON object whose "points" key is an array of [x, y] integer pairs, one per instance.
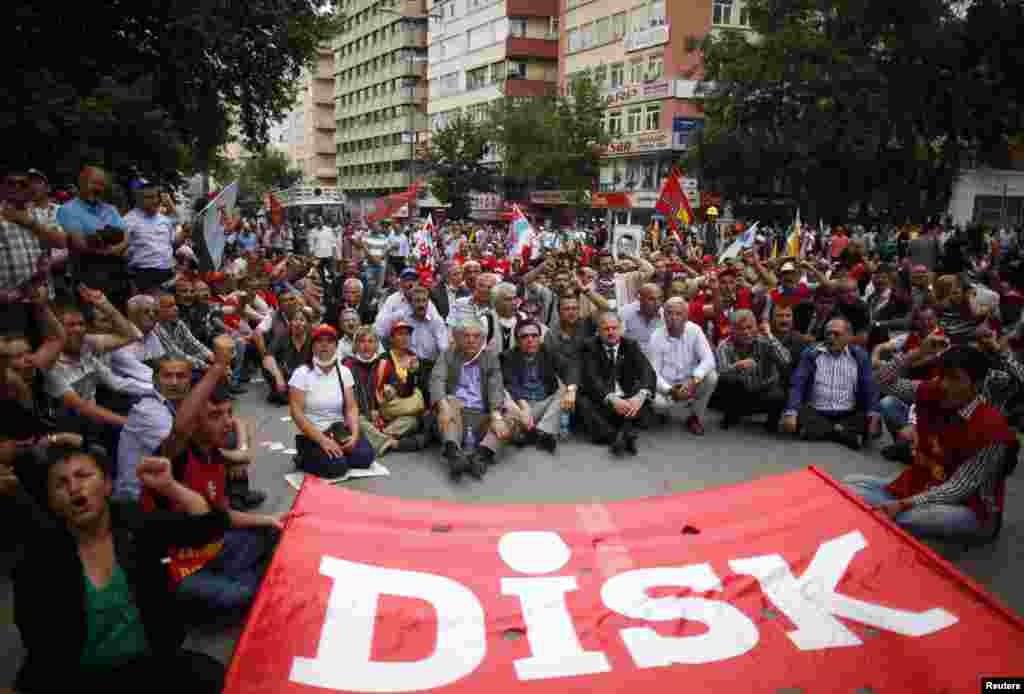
{"points": [[446, 289], [617, 387], [350, 295]]}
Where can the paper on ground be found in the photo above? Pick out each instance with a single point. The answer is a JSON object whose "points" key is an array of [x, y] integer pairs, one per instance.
{"points": [[289, 451], [276, 446], [286, 419], [375, 470]]}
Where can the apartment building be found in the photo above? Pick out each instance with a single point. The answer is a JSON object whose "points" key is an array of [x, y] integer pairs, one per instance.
{"points": [[636, 51], [380, 96], [306, 135]]}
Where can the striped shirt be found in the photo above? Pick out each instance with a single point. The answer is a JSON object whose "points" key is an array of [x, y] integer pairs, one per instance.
{"points": [[982, 473], [835, 381], [771, 359], [1004, 380]]}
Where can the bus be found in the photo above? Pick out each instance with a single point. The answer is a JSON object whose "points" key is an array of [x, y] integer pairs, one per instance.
{"points": [[306, 206]]}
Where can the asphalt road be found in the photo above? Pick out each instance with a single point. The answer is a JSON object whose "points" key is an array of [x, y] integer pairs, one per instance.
{"points": [[671, 460]]}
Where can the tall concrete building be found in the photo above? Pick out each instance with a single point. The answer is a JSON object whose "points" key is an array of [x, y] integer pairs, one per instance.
{"points": [[380, 96], [306, 135], [636, 50]]}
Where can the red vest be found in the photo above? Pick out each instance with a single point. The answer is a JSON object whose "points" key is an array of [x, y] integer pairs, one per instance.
{"points": [[206, 477], [801, 295], [943, 446]]}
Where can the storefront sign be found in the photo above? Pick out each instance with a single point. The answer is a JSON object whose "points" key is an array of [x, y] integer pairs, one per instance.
{"points": [[785, 583], [550, 197], [681, 125], [639, 40], [639, 143], [639, 92]]}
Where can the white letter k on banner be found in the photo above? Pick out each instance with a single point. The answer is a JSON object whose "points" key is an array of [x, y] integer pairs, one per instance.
{"points": [[812, 604]]}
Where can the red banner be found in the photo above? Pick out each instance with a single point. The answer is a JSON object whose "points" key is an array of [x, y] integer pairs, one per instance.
{"points": [[782, 584], [387, 206]]}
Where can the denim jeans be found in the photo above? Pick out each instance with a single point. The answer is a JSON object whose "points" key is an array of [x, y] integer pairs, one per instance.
{"points": [[929, 520], [229, 582], [895, 412]]}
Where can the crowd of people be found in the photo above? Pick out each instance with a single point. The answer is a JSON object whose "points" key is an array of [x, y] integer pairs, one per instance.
{"points": [[126, 467]]}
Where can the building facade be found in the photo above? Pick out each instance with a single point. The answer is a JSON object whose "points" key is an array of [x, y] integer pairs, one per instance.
{"points": [[636, 51], [380, 96]]}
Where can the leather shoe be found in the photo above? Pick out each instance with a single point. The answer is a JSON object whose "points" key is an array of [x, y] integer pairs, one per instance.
{"points": [[619, 445], [546, 442], [476, 465], [631, 444], [238, 389], [695, 426]]}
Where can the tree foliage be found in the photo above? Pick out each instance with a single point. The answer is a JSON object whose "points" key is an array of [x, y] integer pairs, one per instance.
{"points": [[154, 84], [838, 103], [267, 169], [454, 159], [552, 142]]}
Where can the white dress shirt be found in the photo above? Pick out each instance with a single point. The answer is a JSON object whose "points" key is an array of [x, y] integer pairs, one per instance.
{"points": [[677, 359], [127, 362]]}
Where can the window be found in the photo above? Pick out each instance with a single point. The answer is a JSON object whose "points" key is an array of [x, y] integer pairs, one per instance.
{"points": [[587, 36], [617, 73], [498, 72], [618, 26], [655, 67], [633, 123], [638, 19], [744, 16], [574, 40], [553, 26], [615, 122], [516, 70], [653, 117], [602, 29], [721, 12], [657, 12], [517, 27], [476, 78], [600, 75], [636, 72]]}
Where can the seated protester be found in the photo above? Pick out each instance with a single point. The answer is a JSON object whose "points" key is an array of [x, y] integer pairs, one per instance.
{"points": [[616, 387], [684, 367], [273, 328], [72, 382], [619, 284], [175, 336], [838, 299], [468, 394], [149, 423], [399, 381], [362, 363], [98, 563], [429, 338], [643, 317], [568, 335], [895, 411], [323, 407], [446, 288], [238, 457], [888, 305], [399, 305], [132, 362], [479, 305], [348, 324], [726, 295], [782, 328], [350, 296], [791, 291], [750, 370], [204, 318], [531, 375], [957, 317], [286, 353], [957, 483], [503, 317], [833, 394], [222, 576]]}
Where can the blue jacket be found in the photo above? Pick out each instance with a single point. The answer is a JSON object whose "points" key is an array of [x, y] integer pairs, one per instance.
{"points": [[803, 380]]}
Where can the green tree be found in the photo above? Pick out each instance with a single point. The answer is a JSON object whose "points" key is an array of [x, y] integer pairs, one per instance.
{"points": [[552, 142], [839, 103], [152, 85], [453, 159], [266, 170]]}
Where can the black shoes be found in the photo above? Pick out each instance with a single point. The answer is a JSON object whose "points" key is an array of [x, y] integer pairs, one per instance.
{"points": [[457, 463], [480, 461], [241, 497], [546, 442], [276, 398], [625, 442]]}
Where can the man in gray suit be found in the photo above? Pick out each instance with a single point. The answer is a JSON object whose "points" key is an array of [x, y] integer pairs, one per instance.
{"points": [[468, 395]]}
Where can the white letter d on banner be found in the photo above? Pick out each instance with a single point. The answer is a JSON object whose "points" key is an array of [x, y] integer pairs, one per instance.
{"points": [[342, 659]]}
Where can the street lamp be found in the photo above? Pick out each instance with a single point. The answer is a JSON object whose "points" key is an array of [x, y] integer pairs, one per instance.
{"points": [[412, 113]]}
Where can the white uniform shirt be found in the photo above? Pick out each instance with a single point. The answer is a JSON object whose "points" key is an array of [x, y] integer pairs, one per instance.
{"points": [[676, 359]]}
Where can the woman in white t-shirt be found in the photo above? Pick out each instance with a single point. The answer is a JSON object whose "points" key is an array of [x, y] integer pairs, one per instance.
{"points": [[320, 397]]}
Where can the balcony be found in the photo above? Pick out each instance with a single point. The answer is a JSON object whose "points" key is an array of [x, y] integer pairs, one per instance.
{"points": [[324, 121], [532, 8], [521, 87], [324, 146], [516, 47]]}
